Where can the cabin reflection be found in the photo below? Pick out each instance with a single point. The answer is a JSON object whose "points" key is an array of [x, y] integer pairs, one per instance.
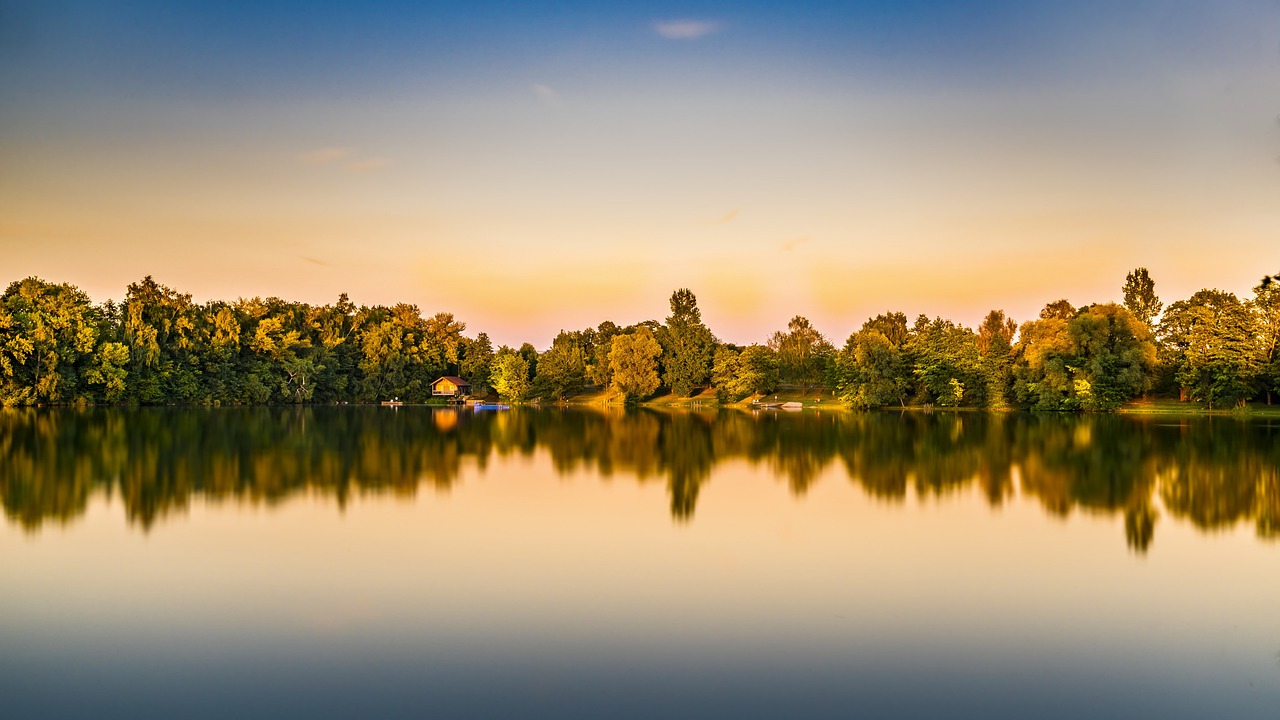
{"points": [[1210, 472]]}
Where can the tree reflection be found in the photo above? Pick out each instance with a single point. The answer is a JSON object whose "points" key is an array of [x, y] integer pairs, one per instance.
{"points": [[1210, 472]]}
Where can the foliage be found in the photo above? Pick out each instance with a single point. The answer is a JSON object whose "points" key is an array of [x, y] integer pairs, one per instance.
{"points": [[872, 369], [1098, 359], [159, 346], [995, 345], [942, 351], [1140, 297], [1214, 347], [510, 376], [737, 374], [633, 363], [562, 368], [803, 353], [687, 345]]}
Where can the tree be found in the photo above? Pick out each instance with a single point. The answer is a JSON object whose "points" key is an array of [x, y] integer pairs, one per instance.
{"points": [[598, 367], [1213, 344], [633, 362], [942, 351], [757, 370], [1140, 297], [48, 334], [1266, 310], [510, 374], [872, 370], [995, 344], [724, 373], [1043, 374], [1060, 309], [687, 345], [476, 361], [802, 353], [161, 330], [1115, 354], [562, 368]]}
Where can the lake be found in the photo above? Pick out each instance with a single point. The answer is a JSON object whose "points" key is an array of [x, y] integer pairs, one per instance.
{"points": [[575, 563]]}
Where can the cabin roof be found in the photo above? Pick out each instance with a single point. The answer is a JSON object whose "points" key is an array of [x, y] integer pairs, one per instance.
{"points": [[453, 379]]}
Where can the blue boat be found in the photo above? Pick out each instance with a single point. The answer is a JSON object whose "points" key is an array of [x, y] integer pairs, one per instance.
{"points": [[491, 406]]}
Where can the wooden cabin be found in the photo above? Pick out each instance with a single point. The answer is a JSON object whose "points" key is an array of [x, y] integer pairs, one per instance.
{"points": [[450, 386]]}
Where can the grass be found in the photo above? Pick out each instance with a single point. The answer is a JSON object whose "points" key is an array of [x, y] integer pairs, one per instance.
{"points": [[1169, 406]]}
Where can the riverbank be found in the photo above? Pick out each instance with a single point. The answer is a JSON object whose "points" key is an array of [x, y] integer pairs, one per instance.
{"points": [[824, 399]]}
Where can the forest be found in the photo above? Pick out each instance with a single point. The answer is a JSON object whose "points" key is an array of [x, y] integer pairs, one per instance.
{"points": [[159, 347]]}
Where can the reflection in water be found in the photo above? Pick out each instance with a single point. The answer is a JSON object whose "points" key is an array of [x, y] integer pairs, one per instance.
{"points": [[1211, 472]]}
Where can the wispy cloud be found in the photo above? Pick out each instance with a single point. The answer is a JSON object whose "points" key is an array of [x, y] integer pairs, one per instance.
{"points": [[793, 243], [545, 93], [314, 261], [325, 155], [727, 217], [685, 29], [345, 158]]}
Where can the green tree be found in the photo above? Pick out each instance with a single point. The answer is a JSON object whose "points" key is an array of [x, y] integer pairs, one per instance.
{"points": [[995, 345], [110, 370], [633, 362], [942, 351], [724, 373], [687, 345], [476, 362], [1140, 297], [510, 374], [1043, 373], [598, 367], [1115, 354], [562, 368], [757, 371], [1266, 310], [48, 334], [872, 369], [803, 353], [1213, 344]]}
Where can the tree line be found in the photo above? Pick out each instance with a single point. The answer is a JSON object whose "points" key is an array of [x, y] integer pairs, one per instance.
{"points": [[160, 347]]}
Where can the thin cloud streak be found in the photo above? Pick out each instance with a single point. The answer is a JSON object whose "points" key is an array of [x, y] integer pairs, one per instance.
{"points": [[546, 93], [727, 217], [793, 243], [325, 155], [686, 29], [348, 159]]}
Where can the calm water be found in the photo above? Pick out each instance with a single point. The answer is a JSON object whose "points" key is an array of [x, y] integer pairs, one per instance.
{"points": [[362, 562]]}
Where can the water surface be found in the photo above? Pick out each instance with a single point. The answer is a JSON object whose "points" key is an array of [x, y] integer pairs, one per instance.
{"points": [[357, 561]]}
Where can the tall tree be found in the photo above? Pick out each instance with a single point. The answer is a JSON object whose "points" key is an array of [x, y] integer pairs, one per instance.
{"points": [[687, 345], [598, 365], [476, 362], [995, 344]]}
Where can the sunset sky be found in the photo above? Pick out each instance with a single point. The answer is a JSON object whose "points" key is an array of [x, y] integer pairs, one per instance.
{"points": [[537, 166]]}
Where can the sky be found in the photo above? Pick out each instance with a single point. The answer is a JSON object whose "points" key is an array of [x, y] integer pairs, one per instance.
{"points": [[537, 166]]}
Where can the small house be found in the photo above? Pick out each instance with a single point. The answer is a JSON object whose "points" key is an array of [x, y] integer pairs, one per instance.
{"points": [[450, 386]]}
